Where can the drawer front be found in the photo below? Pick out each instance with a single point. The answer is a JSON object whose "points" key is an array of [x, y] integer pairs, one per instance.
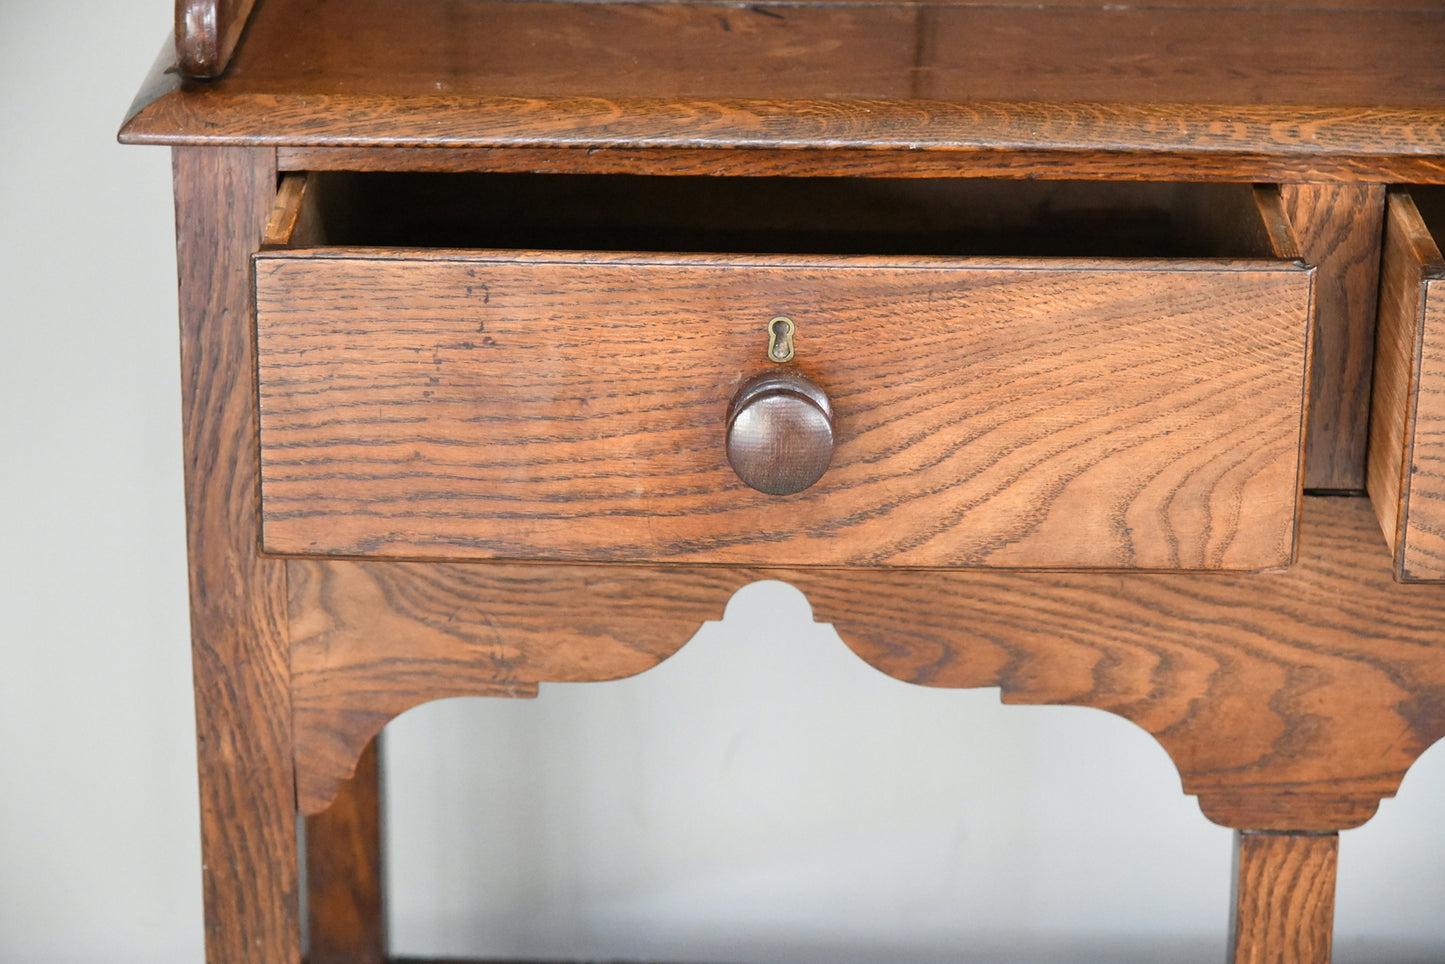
{"points": [[1407, 418], [573, 407]]}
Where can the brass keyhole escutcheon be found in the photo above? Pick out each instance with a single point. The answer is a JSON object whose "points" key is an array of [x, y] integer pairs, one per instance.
{"points": [[780, 339]]}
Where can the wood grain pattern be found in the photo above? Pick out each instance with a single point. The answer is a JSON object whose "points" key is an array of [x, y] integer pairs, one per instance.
{"points": [[1397, 338], [572, 408], [1376, 142], [372, 640], [1407, 433], [1424, 556], [1284, 898], [1095, 53], [1340, 229], [1423, 552], [344, 881], [1289, 701], [978, 162], [624, 358], [1206, 83], [207, 32], [238, 599]]}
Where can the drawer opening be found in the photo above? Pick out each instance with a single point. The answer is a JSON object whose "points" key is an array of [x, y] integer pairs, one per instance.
{"points": [[1430, 202], [824, 216]]}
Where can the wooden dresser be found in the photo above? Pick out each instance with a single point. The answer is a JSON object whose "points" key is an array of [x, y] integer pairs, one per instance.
{"points": [[1095, 352]]}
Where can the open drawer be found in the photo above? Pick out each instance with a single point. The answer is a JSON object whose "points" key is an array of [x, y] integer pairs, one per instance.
{"points": [[1017, 374], [1406, 471]]}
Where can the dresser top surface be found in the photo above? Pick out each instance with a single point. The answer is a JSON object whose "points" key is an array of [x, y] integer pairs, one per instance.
{"points": [[1286, 77]]}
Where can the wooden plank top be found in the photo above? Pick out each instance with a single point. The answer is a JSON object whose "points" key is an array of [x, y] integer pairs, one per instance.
{"points": [[1201, 79]]}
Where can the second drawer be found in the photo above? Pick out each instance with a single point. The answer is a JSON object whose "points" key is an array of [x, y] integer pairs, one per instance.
{"points": [[999, 411], [1406, 469]]}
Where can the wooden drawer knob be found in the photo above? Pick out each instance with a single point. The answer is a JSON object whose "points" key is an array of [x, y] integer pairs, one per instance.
{"points": [[780, 433]]}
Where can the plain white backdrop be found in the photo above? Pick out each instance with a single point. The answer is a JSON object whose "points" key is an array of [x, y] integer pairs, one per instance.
{"points": [[762, 797]]}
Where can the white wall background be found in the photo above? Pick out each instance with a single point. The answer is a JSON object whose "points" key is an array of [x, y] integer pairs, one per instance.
{"points": [[763, 797]]}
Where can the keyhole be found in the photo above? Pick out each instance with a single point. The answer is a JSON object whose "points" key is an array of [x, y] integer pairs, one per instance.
{"points": [[780, 339]]}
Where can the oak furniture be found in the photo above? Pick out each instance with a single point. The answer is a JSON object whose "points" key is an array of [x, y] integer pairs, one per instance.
{"points": [[1093, 352]]}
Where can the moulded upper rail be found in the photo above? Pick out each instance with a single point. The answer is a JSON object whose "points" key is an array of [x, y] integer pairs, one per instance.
{"points": [[1209, 79]]}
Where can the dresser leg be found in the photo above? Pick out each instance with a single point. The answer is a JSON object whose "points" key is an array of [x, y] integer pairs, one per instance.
{"points": [[1284, 897], [238, 611], [344, 874]]}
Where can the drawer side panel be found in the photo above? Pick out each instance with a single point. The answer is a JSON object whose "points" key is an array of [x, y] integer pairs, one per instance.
{"points": [[1423, 557], [1406, 466], [1397, 350]]}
